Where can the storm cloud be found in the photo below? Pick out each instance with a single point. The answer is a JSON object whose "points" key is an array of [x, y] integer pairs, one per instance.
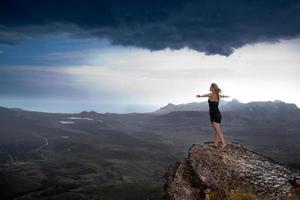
{"points": [[212, 26]]}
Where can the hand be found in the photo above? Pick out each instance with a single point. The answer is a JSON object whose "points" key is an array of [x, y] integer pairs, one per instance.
{"points": [[198, 95]]}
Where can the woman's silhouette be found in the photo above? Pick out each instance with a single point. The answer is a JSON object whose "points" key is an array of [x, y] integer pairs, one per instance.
{"points": [[214, 112]]}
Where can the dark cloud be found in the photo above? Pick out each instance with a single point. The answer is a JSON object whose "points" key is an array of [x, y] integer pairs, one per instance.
{"points": [[211, 26]]}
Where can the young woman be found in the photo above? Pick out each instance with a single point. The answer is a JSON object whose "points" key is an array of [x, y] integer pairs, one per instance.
{"points": [[214, 112]]}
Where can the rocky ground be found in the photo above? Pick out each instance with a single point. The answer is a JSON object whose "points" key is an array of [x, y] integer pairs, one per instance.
{"points": [[211, 173]]}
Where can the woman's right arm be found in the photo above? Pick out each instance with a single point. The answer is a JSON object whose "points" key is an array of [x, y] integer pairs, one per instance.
{"points": [[203, 95], [224, 96]]}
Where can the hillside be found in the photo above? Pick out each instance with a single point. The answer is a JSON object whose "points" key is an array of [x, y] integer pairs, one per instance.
{"points": [[89, 154]]}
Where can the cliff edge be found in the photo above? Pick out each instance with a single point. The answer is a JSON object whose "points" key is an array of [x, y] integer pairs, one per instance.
{"points": [[232, 173]]}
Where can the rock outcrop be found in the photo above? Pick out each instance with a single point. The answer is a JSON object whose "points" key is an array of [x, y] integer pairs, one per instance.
{"points": [[232, 173]]}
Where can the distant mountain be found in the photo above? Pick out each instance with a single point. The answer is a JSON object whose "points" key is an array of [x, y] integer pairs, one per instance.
{"points": [[232, 105], [194, 106]]}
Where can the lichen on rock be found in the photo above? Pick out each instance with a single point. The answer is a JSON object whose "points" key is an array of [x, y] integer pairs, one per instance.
{"points": [[210, 173]]}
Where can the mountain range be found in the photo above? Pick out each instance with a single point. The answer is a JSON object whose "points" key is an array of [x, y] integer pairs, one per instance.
{"points": [[224, 105]]}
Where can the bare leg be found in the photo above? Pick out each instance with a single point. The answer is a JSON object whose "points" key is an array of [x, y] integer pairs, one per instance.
{"points": [[220, 134], [216, 137]]}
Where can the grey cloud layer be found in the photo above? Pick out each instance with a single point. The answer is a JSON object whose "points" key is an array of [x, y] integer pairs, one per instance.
{"points": [[212, 26]]}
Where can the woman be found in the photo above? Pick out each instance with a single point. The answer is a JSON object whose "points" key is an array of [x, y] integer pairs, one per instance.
{"points": [[214, 112]]}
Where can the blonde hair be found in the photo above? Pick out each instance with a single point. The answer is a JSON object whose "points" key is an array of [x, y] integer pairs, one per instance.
{"points": [[217, 89]]}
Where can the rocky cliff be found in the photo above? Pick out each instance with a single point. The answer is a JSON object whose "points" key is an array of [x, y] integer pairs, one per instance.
{"points": [[232, 173]]}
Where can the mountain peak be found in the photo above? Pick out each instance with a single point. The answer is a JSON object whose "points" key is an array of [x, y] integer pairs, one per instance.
{"points": [[170, 104], [278, 101], [235, 100], [208, 172], [88, 113]]}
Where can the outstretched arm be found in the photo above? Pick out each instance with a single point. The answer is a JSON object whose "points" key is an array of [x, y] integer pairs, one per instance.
{"points": [[203, 95], [224, 96]]}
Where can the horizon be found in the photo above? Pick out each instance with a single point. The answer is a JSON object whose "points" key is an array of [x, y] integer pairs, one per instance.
{"points": [[140, 56], [131, 108]]}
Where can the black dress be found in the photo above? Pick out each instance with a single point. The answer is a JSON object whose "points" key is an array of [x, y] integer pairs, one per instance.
{"points": [[214, 112]]}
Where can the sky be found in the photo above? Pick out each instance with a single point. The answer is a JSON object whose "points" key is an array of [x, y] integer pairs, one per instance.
{"points": [[137, 56]]}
